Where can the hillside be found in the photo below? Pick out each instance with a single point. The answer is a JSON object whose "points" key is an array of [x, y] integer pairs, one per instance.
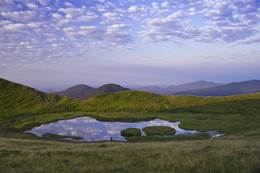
{"points": [[177, 88], [138, 101], [85, 92], [235, 88], [108, 88], [19, 99], [76, 91]]}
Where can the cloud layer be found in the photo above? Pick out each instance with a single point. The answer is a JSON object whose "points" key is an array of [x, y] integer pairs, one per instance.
{"points": [[33, 29]]}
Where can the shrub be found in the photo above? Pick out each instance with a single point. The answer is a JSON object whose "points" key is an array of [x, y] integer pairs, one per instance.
{"points": [[131, 132], [159, 130]]}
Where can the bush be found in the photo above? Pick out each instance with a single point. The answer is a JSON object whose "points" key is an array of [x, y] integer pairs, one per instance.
{"points": [[159, 130], [131, 132]]}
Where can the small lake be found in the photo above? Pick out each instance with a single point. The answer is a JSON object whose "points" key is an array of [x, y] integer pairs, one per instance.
{"points": [[93, 130]]}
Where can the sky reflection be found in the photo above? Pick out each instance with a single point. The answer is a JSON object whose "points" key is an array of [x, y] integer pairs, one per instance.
{"points": [[92, 130]]}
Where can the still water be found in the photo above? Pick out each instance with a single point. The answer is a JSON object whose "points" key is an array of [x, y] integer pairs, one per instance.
{"points": [[93, 130]]}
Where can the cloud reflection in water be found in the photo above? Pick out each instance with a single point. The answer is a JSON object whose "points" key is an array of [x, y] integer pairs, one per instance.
{"points": [[92, 130]]}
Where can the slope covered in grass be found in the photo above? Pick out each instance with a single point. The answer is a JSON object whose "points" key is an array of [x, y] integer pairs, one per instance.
{"points": [[17, 99], [108, 88], [137, 101]]}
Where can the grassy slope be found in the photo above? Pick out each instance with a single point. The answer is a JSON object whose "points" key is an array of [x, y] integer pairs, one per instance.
{"points": [[216, 155], [108, 88], [19, 103], [137, 101]]}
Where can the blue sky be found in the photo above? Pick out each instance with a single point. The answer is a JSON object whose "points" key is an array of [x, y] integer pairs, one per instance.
{"points": [[59, 43]]}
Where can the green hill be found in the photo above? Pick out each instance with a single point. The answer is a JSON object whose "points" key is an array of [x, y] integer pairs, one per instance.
{"points": [[137, 101], [108, 88], [19, 99], [235, 88], [76, 91], [85, 92]]}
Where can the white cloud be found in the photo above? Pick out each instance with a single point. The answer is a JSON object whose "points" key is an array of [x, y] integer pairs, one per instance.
{"points": [[101, 8], [109, 17], [44, 2], [15, 27], [74, 12], [21, 16], [68, 4], [32, 6], [132, 9]]}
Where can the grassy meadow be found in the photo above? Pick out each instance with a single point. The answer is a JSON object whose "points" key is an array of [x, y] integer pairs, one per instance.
{"points": [[224, 154]]}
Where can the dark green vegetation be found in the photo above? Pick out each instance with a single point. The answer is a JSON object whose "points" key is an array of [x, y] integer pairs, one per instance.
{"points": [[131, 132], [159, 130], [226, 90], [85, 92], [50, 135], [76, 91]]}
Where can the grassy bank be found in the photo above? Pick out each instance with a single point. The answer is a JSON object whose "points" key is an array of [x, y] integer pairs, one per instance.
{"points": [[225, 154]]}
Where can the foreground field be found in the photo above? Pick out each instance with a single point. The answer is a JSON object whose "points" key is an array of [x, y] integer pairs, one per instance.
{"points": [[225, 154]]}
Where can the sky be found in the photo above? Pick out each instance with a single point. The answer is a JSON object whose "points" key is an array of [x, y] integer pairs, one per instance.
{"points": [[60, 43]]}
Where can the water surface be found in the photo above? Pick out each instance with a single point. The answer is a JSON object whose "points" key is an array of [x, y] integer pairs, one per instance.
{"points": [[93, 130]]}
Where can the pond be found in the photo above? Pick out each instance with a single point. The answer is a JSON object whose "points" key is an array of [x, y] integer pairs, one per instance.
{"points": [[93, 130]]}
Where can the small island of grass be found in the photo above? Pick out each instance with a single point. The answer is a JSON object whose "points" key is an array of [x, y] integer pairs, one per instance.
{"points": [[159, 130], [50, 135], [131, 132]]}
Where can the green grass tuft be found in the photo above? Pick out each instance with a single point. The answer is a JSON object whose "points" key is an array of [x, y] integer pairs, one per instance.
{"points": [[159, 130], [131, 132]]}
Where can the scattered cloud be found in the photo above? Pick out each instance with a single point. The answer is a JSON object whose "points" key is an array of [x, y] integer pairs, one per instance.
{"points": [[40, 28]]}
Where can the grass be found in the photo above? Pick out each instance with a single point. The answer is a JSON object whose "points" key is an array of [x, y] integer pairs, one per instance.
{"points": [[55, 136], [226, 154], [131, 132], [159, 130], [202, 136]]}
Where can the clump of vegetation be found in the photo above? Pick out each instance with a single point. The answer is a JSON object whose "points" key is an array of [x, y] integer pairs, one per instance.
{"points": [[131, 132], [50, 135], [159, 130]]}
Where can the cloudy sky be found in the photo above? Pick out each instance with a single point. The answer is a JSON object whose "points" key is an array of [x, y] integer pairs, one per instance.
{"points": [[59, 43]]}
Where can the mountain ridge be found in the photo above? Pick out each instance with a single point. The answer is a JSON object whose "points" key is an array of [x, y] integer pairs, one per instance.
{"points": [[75, 91], [177, 88], [85, 92], [234, 88]]}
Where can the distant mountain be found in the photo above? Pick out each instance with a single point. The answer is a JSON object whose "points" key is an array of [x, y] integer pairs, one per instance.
{"points": [[77, 91], [156, 89], [177, 88], [108, 88], [51, 91], [85, 92], [235, 88]]}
